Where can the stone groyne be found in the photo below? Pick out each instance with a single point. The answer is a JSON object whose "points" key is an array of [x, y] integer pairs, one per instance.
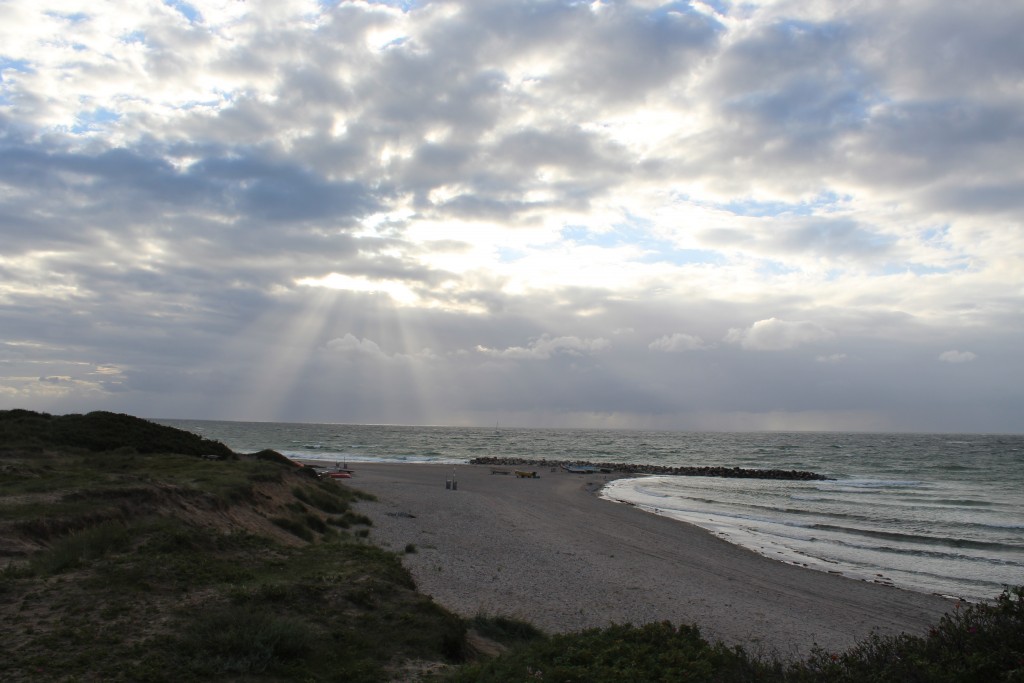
{"points": [[632, 468]]}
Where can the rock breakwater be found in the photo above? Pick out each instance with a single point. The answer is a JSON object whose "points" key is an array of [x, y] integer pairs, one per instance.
{"points": [[633, 468]]}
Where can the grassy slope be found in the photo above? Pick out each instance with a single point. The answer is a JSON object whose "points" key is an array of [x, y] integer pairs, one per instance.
{"points": [[142, 563]]}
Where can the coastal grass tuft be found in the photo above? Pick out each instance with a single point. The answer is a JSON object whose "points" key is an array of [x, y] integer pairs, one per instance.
{"points": [[294, 525], [89, 544], [329, 497], [244, 639]]}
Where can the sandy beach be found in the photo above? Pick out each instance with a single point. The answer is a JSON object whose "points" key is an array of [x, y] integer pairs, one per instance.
{"points": [[551, 551]]}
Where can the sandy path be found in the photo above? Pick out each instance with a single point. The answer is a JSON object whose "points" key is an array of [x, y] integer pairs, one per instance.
{"points": [[550, 551]]}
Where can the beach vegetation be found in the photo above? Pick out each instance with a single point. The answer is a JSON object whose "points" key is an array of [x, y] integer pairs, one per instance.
{"points": [[507, 631], [102, 432], [140, 563], [976, 643], [652, 652], [329, 497]]}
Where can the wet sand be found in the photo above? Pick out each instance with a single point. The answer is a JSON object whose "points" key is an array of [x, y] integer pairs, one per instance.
{"points": [[550, 551]]}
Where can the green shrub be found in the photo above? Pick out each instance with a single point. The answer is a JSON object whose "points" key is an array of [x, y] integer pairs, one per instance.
{"points": [[975, 642], [649, 653], [244, 639]]}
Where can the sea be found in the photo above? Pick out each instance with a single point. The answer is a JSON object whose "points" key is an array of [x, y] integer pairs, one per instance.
{"points": [[936, 513]]}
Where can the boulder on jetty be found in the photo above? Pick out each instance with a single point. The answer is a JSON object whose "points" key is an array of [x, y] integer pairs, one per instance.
{"points": [[633, 468]]}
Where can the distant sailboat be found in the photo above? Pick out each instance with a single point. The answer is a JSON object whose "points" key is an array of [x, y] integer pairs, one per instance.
{"points": [[497, 432]]}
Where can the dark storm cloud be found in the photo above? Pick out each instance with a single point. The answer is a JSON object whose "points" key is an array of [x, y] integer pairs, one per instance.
{"points": [[959, 50], [272, 191], [251, 187]]}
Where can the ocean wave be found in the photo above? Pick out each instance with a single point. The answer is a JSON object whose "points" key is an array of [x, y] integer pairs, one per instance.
{"points": [[962, 502], [643, 490], [952, 468], [934, 554], [362, 457], [725, 517], [921, 539], [811, 499], [873, 484], [997, 525]]}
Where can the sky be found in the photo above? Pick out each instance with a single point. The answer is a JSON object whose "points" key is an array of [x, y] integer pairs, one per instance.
{"points": [[763, 215]]}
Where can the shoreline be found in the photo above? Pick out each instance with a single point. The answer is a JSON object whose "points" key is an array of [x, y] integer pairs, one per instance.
{"points": [[552, 552]]}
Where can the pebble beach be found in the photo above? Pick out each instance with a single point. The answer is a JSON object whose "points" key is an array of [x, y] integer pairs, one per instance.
{"points": [[550, 551]]}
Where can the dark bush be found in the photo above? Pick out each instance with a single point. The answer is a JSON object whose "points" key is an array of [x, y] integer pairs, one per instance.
{"points": [[975, 642], [102, 431]]}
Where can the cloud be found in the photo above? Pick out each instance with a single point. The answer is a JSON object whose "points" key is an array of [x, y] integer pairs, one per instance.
{"points": [[778, 335], [352, 344], [203, 200], [56, 381], [957, 356], [546, 347], [677, 342]]}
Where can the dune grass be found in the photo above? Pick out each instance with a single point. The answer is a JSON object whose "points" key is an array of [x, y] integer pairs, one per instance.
{"points": [[137, 564]]}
